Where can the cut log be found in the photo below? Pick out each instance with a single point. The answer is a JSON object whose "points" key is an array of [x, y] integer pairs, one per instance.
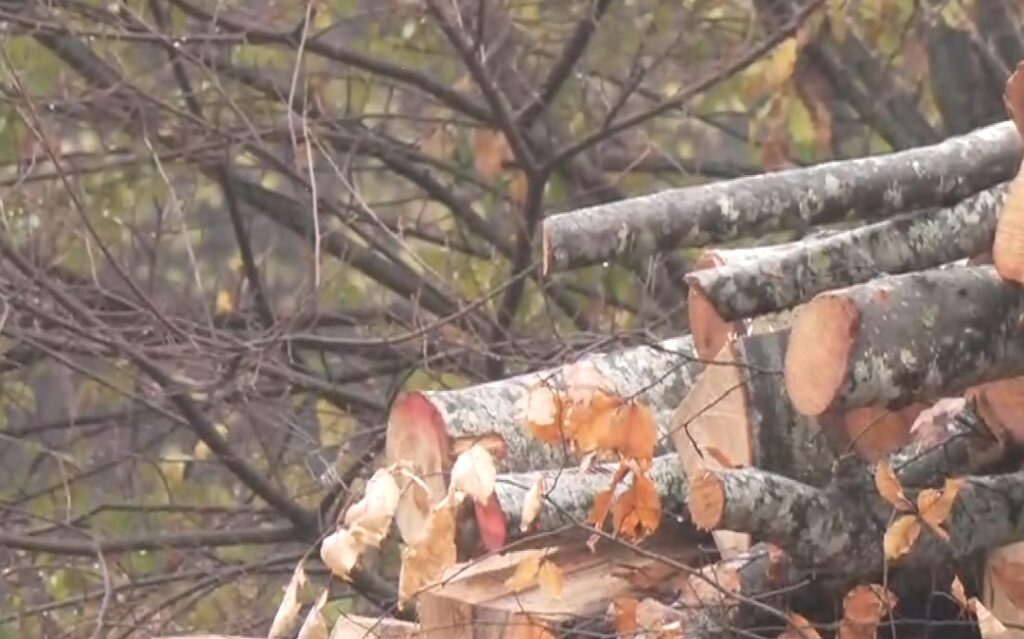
{"points": [[1001, 404], [739, 411], [772, 281], [474, 602], [872, 431], [872, 187], [425, 428], [836, 532], [916, 336], [1008, 247], [1000, 588]]}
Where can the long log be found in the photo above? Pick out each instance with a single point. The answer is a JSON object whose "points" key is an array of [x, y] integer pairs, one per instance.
{"points": [[738, 411], [921, 335], [835, 532], [426, 428], [777, 280], [872, 187]]}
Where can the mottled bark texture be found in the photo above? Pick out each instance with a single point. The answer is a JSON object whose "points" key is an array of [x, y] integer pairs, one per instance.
{"points": [[920, 335], [424, 427], [569, 494], [836, 532], [782, 279], [873, 187], [739, 410]]}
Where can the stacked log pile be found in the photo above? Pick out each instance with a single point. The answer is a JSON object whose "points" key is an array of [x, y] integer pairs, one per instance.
{"points": [[835, 446]]}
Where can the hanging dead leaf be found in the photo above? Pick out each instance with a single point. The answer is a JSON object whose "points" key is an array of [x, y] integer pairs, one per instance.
{"points": [[594, 425], [340, 552], [863, 609], [288, 610], [934, 506], [988, 624], [956, 589], [532, 504], [623, 613], [315, 627], [541, 409], [474, 474], [551, 580], [526, 572], [517, 188], [799, 628], [636, 433], [423, 562], [889, 487], [380, 500], [900, 537], [637, 512], [489, 152], [1013, 97], [599, 512]]}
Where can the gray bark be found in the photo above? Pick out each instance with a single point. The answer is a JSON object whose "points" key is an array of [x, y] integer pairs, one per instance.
{"points": [[872, 187], [921, 335], [777, 280]]}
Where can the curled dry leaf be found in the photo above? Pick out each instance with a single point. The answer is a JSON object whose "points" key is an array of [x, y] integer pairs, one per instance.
{"points": [[799, 628], [863, 609], [378, 505], [340, 552], [889, 487], [526, 572], [532, 504], [934, 506], [599, 512], [541, 409], [900, 537], [288, 611], [551, 580], [474, 474], [637, 512], [315, 627], [424, 561]]}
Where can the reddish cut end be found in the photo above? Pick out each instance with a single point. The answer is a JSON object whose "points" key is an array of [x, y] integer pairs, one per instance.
{"points": [[876, 431], [491, 523], [706, 500], [416, 435], [1008, 247], [820, 343], [710, 332]]}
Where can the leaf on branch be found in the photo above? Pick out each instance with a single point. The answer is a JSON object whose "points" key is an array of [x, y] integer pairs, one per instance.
{"points": [[934, 506], [315, 627], [425, 561], [889, 487], [288, 611], [551, 580], [517, 188], [637, 512], [532, 504], [340, 551], [474, 474], [490, 148], [542, 409], [526, 572], [863, 609], [781, 63], [799, 628], [599, 512], [900, 537]]}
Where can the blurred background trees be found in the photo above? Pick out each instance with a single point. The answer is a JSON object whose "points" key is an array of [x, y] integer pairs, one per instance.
{"points": [[234, 231]]}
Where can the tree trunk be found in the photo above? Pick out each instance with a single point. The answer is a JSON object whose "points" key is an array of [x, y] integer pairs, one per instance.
{"points": [[772, 281], [873, 187], [892, 340]]}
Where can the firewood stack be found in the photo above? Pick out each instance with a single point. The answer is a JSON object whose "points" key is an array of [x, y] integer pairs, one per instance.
{"points": [[844, 422]]}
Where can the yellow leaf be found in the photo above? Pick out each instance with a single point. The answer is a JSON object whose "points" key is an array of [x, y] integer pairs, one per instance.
{"points": [[336, 426], [935, 506], [526, 571], [489, 151], [288, 610], [782, 62], [225, 302], [900, 537], [889, 487], [474, 474], [551, 580], [532, 504]]}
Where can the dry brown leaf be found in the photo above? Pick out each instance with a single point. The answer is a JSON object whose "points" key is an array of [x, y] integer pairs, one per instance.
{"points": [[988, 624], [489, 152], [934, 506], [340, 552], [593, 424], [599, 512], [551, 580], [636, 433], [799, 628], [288, 611], [532, 504], [1013, 97], [517, 187], [956, 589], [315, 627], [474, 474], [900, 537], [637, 512], [889, 487], [623, 612], [526, 572], [423, 562], [542, 409], [863, 609]]}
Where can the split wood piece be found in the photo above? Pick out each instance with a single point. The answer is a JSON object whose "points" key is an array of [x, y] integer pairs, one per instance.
{"points": [[474, 602], [739, 411], [777, 280], [871, 187], [712, 600], [915, 336], [1008, 247], [427, 428], [710, 332], [836, 532], [569, 494]]}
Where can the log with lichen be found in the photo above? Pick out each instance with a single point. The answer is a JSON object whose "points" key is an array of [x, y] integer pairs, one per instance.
{"points": [[893, 340], [871, 187], [781, 279]]}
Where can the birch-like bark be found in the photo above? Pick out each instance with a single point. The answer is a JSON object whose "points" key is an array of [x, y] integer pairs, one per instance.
{"points": [[772, 281], [872, 188]]}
